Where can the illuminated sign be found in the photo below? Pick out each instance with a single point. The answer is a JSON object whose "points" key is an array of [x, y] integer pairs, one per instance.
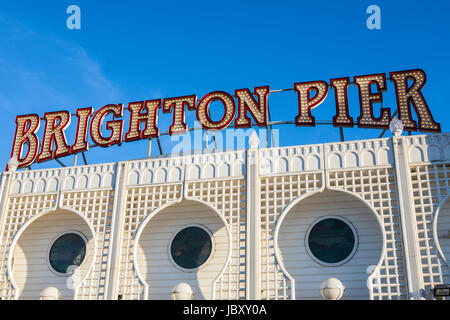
{"points": [[242, 108]]}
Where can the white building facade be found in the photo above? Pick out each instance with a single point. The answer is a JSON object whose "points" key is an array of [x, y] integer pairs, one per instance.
{"points": [[259, 208]]}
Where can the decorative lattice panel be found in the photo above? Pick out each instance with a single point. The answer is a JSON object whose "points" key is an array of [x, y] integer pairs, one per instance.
{"points": [[19, 210], [140, 202], [430, 184], [96, 206], [228, 196], [276, 193], [377, 187]]}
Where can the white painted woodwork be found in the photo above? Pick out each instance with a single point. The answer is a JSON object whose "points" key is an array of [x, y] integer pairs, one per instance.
{"points": [[309, 274], [443, 234], [31, 269], [153, 250], [405, 194]]}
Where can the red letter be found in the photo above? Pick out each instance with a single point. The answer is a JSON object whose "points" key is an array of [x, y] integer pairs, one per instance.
{"points": [[115, 126], [203, 110], [178, 104], [81, 143], [306, 102], [149, 117], [407, 96], [26, 128], [258, 110], [54, 133], [367, 99], [342, 117]]}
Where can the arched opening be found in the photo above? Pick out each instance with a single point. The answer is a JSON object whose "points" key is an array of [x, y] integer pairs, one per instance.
{"points": [[202, 262], [48, 250], [330, 234], [442, 226]]}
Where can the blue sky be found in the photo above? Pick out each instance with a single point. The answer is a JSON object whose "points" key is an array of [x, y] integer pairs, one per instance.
{"points": [[136, 50]]}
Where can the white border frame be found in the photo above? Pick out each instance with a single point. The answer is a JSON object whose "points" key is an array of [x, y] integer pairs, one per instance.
{"points": [[51, 245], [213, 247], [323, 263]]}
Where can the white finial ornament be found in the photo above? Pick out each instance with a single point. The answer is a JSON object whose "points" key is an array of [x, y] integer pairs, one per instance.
{"points": [[50, 293], [13, 163], [396, 127], [332, 289], [253, 140], [182, 291]]}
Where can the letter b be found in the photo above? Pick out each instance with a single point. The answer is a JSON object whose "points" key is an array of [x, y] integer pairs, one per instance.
{"points": [[233, 309]]}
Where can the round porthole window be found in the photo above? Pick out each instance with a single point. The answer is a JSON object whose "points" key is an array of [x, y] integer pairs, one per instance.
{"points": [[66, 251], [191, 247], [331, 241]]}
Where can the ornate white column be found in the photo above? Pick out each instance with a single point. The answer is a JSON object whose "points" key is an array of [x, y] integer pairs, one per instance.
{"points": [[253, 219], [407, 212], [5, 186], [117, 218]]}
